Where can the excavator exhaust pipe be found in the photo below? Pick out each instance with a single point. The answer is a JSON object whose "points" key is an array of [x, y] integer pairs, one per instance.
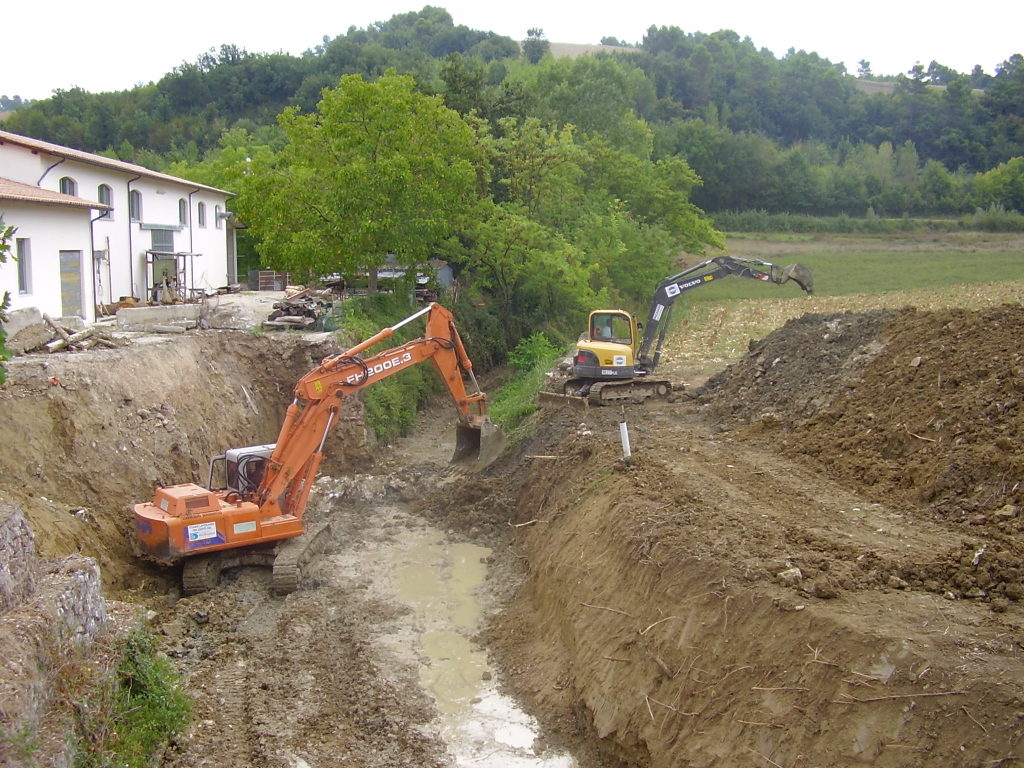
{"points": [[478, 446]]}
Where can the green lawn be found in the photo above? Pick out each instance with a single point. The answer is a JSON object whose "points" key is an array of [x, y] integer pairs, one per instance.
{"points": [[875, 272]]}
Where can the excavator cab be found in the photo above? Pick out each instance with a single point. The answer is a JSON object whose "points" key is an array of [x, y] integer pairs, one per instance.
{"points": [[608, 350], [240, 470]]}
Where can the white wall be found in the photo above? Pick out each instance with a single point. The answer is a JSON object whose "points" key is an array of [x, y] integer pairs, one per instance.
{"points": [[49, 230], [122, 269]]}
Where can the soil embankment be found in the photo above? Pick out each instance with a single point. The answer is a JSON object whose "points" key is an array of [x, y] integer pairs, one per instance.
{"points": [[816, 561], [811, 560]]}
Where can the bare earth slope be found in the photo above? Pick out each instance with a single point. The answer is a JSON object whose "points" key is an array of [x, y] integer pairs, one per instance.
{"points": [[716, 602], [812, 560]]}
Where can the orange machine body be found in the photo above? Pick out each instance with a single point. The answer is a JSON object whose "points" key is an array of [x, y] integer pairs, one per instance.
{"points": [[188, 519], [264, 499]]}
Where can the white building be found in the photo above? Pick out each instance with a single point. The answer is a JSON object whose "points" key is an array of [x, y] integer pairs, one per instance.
{"points": [[91, 230]]}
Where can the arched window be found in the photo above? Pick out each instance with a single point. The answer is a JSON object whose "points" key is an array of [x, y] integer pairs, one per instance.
{"points": [[135, 205], [182, 212], [218, 219], [105, 195], [201, 214], [68, 186]]}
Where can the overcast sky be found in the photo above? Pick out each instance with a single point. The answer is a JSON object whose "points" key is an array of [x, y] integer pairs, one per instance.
{"points": [[116, 44]]}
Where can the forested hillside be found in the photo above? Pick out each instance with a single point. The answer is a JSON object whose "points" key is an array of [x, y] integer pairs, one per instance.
{"points": [[793, 134], [557, 183]]}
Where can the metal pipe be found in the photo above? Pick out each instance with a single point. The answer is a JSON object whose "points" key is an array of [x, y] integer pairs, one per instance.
{"points": [[131, 251], [92, 261]]}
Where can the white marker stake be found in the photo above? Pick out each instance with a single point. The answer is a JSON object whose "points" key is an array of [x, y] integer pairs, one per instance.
{"points": [[624, 435]]}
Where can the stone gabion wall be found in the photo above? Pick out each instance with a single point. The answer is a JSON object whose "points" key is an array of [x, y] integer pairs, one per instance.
{"points": [[19, 566], [50, 612]]}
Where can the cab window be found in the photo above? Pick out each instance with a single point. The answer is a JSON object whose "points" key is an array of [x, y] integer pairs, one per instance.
{"points": [[609, 326]]}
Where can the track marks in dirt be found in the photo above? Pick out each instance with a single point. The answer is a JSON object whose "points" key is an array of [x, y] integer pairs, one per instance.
{"points": [[279, 682]]}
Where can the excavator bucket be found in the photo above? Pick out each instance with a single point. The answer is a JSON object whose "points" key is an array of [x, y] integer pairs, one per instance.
{"points": [[800, 275], [478, 446]]}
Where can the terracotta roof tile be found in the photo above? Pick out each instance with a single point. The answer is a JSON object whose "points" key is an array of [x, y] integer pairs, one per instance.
{"points": [[86, 157], [26, 193]]}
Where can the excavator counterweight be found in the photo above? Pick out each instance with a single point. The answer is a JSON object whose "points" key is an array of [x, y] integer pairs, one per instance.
{"points": [[255, 515]]}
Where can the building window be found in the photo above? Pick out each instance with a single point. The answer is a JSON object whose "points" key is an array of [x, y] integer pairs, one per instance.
{"points": [[163, 240], [182, 212], [23, 250], [201, 214], [135, 205], [105, 195], [218, 219], [68, 186]]}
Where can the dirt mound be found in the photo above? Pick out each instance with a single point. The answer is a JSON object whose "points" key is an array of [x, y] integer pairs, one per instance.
{"points": [[797, 370], [925, 405]]}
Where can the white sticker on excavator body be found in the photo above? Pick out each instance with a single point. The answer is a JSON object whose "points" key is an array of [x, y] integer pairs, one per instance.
{"points": [[201, 531], [246, 527], [657, 312], [165, 505], [619, 360]]}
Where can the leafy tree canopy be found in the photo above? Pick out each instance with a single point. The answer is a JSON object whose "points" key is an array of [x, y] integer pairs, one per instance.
{"points": [[377, 169]]}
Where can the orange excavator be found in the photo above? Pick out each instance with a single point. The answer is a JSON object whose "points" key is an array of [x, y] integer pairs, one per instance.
{"points": [[256, 516]]}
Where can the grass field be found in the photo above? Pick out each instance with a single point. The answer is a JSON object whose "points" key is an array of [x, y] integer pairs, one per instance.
{"points": [[851, 274]]}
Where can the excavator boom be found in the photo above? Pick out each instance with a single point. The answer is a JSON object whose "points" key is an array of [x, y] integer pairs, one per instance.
{"points": [[267, 486]]}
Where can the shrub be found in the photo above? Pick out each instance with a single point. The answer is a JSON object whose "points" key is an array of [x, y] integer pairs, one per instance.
{"points": [[127, 720], [6, 233], [532, 358], [995, 218]]}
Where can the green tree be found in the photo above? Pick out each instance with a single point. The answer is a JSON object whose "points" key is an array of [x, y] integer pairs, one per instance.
{"points": [[535, 276], [535, 45], [1002, 186], [377, 169]]}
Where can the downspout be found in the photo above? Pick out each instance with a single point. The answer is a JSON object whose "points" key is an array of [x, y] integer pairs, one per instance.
{"points": [[49, 169], [92, 261], [191, 244], [191, 247], [131, 250]]}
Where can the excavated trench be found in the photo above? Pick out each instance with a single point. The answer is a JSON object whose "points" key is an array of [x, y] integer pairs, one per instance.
{"points": [[720, 600]]}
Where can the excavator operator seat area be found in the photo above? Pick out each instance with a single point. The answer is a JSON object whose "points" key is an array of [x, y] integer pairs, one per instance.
{"points": [[245, 467], [611, 326]]}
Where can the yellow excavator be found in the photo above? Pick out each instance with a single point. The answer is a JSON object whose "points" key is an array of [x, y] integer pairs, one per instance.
{"points": [[613, 363]]}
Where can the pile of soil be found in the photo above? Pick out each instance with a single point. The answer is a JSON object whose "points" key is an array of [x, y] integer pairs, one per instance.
{"points": [[922, 405], [812, 561]]}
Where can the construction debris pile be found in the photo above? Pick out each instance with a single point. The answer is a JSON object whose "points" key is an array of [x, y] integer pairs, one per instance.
{"points": [[63, 334], [299, 309]]}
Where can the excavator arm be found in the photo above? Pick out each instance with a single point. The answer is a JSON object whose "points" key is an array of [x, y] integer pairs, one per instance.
{"points": [[293, 465], [672, 287]]}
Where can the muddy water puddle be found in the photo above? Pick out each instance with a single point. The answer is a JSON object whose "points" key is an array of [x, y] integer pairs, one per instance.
{"points": [[441, 584]]}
